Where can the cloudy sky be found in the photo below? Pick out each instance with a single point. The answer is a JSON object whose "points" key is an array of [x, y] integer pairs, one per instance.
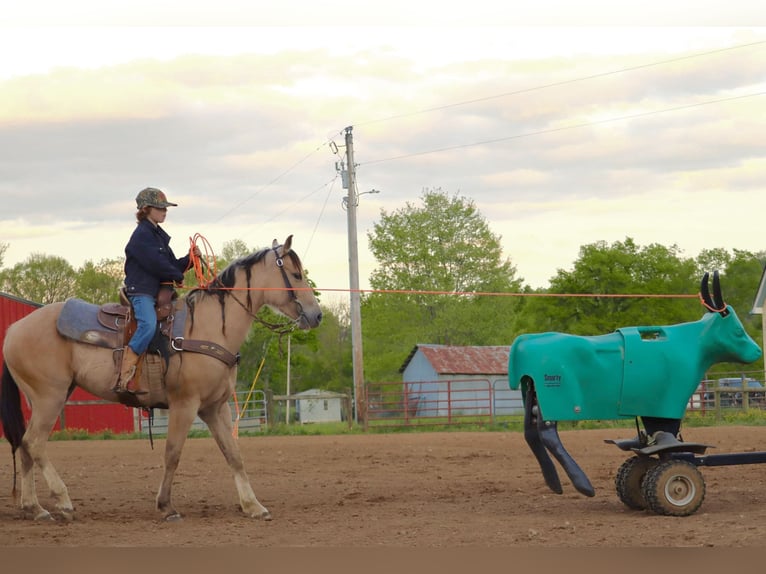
{"points": [[565, 127]]}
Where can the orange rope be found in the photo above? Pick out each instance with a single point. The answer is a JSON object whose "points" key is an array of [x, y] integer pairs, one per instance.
{"points": [[497, 294], [204, 272]]}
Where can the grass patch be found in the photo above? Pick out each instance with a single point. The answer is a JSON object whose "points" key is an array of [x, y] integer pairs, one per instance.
{"points": [[515, 423]]}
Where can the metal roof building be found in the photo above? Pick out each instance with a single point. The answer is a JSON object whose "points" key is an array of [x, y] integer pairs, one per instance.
{"points": [[476, 376]]}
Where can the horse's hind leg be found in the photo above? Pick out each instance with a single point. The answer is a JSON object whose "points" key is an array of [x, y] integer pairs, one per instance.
{"points": [[218, 419], [34, 451], [30, 506]]}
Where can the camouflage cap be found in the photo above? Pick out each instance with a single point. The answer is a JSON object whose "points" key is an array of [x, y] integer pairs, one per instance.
{"points": [[151, 196]]}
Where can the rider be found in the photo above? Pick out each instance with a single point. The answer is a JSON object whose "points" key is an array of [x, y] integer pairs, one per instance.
{"points": [[149, 263]]}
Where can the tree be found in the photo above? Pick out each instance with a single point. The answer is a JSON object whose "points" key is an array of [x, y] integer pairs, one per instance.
{"points": [[3, 249], [740, 276], [442, 259], [41, 278], [621, 268], [445, 245], [99, 282], [232, 250]]}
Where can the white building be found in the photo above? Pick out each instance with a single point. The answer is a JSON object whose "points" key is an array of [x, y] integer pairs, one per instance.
{"points": [[317, 406]]}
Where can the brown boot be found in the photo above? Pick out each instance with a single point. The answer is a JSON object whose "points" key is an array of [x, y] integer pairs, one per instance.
{"points": [[127, 372]]}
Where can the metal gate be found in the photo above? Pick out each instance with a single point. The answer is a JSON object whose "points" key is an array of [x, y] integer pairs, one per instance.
{"points": [[248, 411]]}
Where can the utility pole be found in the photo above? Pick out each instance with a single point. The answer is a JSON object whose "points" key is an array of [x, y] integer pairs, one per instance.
{"points": [[360, 398]]}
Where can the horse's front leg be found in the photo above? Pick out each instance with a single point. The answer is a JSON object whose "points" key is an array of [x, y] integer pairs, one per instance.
{"points": [[180, 418], [218, 419]]}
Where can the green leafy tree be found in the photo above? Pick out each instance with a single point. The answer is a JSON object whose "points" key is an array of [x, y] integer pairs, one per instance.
{"points": [[41, 278], [328, 364], [99, 282], [740, 276], [441, 260], [443, 245], [611, 270], [232, 250]]}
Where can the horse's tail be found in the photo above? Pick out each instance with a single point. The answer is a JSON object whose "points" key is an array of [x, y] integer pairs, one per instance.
{"points": [[11, 416], [10, 410]]}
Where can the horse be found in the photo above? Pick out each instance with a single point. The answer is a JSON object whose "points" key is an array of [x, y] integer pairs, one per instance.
{"points": [[46, 367]]}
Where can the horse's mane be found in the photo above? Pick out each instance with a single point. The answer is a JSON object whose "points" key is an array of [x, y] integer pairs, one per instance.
{"points": [[222, 283]]}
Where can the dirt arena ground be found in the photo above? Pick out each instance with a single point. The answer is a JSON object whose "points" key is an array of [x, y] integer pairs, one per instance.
{"points": [[424, 490]]}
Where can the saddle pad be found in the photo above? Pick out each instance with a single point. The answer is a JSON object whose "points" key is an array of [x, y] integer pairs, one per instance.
{"points": [[77, 318], [79, 321]]}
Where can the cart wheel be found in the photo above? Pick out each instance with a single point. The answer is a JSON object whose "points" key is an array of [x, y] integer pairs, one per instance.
{"points": [[630, 478], [674, 488]]}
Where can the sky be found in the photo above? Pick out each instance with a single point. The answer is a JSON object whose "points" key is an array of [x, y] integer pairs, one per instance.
{"points": [[564, 123]]}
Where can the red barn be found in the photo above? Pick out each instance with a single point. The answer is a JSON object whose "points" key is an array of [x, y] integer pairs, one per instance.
{"points": [[83, 410]]}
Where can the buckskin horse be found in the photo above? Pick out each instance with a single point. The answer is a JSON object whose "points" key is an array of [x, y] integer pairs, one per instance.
{"points": [[47, 366]]}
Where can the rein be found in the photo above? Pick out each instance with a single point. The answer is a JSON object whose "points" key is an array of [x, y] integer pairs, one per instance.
{"points": [[279, 328]]}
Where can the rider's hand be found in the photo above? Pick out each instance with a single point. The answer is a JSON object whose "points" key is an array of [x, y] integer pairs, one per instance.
{"points": [[197, 252]]}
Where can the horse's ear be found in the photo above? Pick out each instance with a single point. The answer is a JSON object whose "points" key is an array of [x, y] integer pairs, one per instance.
{"points": [[274, 244], [288, 244]]}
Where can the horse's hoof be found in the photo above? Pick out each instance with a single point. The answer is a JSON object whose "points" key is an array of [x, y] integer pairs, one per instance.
{"points": [[66, 515], [266, 515], [174, 517], [43, 515]]}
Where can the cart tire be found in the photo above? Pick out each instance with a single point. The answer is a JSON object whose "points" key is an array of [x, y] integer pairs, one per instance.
{"points": [[674, 488], [630, 479]]}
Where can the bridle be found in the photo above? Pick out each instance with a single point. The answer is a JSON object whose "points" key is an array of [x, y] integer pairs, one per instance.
{"points": [[286, 279], [284, 327]]}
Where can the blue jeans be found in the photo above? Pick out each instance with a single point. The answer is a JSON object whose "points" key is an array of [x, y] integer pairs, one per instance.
{"points": [[146, 317]]}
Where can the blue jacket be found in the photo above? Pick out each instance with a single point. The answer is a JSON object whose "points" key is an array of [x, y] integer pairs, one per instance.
{"points": [[149, 260]]}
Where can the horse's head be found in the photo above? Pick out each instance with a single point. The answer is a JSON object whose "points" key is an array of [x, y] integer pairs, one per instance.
{"points": [[288, 292], [272, 277]]}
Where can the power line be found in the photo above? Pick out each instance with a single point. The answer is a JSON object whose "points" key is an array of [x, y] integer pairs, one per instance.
{"points": [[272, 181], [564, 128], [516, 136], [299, 200], [330, 188], [561, 83]]}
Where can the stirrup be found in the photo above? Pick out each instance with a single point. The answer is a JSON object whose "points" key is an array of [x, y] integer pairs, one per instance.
{"points": [[122, 389]]}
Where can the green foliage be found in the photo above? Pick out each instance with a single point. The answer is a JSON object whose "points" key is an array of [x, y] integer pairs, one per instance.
{"points": [[82, 434], [739, 281], [316, 429], [620, 268], [41, 278], [443, 247], [232, 250], [47, 279], [99, 282]]}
